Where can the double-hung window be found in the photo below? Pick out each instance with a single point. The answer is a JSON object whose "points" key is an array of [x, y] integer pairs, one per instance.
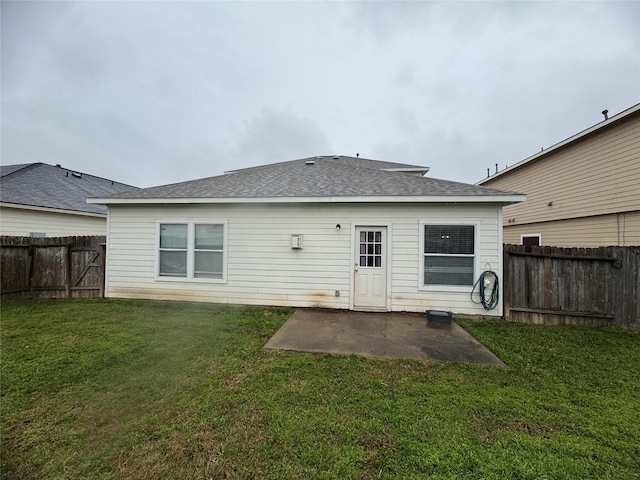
{"points": [[194, 250], [208, 249], [448, 254]]}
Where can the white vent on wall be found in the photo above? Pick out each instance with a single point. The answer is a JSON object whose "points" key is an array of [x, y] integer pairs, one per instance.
{"points": [[296, 241]]}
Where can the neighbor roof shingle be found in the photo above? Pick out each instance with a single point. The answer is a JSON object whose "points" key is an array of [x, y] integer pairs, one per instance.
{"points": [[43, 185], [326, 176]]}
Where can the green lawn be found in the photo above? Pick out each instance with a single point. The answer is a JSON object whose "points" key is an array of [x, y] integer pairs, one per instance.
{"points": [[105, 389]]}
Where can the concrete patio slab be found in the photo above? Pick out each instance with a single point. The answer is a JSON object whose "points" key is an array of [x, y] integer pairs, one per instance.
{"points": [[391, 335]]}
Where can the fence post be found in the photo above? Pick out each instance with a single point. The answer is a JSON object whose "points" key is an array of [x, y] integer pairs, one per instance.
{"points": [[103, 267], [548, 282], [506, 297], [68, 273], [32, 261]]}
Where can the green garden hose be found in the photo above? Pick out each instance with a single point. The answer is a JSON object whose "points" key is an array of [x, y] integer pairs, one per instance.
{"points": [[488, 278]]}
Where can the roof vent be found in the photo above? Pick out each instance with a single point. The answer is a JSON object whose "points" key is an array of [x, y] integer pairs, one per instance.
{"points": [[606, 114], [336, 157], [76, 174], [310, 162]]}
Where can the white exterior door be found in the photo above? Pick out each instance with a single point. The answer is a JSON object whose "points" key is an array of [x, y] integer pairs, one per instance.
{"points": [[370, 269]]}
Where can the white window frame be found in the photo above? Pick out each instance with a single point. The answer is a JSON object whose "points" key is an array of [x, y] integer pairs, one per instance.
{"points": [[539, 235], [191, 230], [476, 255]]}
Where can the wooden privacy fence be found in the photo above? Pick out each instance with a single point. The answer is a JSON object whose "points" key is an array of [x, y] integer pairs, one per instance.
{"points": [[587, 286], [55, 267]]}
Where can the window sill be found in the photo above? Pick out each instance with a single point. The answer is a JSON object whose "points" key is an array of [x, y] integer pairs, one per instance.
{"points": [[446, 288], [190, 280]]}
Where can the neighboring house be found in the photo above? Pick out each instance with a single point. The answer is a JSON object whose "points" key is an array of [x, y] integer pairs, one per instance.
{"points": [[41, 200], [331, 232], [582, 192]]}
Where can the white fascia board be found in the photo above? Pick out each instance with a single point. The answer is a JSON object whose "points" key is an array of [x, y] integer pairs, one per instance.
{"points": [[505, 199], [52, 210]]}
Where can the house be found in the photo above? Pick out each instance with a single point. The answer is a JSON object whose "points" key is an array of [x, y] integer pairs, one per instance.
{"points": [[332, 232], [38, 200], [581, 192]]}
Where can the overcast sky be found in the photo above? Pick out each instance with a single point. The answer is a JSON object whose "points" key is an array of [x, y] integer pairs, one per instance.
{"points": [[149, 93]]}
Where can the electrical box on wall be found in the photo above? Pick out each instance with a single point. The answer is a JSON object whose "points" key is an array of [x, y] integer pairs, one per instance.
{"points": [[296, 241]]}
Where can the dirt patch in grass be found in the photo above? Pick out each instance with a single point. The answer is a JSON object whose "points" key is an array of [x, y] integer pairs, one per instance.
{"points": [[181, 455], [491, 429]]}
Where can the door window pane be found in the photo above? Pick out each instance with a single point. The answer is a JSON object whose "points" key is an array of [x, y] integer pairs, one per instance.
{"points": [[371, 249]]}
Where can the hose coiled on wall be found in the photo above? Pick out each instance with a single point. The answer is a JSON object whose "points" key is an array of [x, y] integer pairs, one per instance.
{"points": [[491, 301]]}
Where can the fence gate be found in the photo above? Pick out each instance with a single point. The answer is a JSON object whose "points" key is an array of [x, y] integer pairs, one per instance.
{"points": [[71, 267], [587, 286]]}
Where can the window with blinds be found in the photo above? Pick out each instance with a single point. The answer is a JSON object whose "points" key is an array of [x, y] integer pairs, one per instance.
{"points": [[449, 255]]}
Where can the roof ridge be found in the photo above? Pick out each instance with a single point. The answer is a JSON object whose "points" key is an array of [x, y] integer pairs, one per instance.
{"points": [[365, 163], [90, 175], [34, 164], [23, 166]]}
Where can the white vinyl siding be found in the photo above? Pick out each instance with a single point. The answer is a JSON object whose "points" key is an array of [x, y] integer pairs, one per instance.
{"points": [[263, 269], [23, 222]]}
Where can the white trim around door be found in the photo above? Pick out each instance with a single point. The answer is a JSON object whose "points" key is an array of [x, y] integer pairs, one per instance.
{"points": [[371, 267]]}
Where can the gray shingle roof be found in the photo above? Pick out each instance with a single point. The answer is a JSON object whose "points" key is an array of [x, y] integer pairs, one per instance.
{"points": [[43, 185], [315, 177]]}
